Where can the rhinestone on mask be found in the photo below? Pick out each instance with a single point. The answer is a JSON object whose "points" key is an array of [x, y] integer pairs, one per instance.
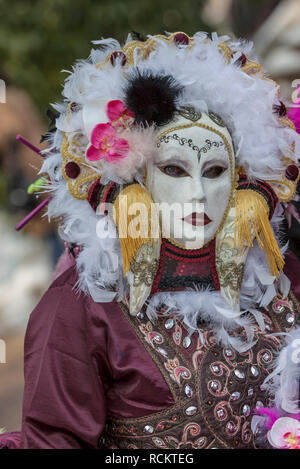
{"points": [[290, 317], [246, 410], [235, 396], [169, 323], [188, 391], [148, 429], [266, 356], [215, 368], [239, 374], [254, 371], [191, 410], [186, 342], [214, 385], [162, 351], [230, 427]]}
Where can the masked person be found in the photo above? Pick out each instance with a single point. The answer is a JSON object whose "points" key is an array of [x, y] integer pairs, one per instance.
{"points": [[169, 162]]}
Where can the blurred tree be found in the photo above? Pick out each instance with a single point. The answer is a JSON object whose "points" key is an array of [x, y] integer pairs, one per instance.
{"points": [[39, 39]]}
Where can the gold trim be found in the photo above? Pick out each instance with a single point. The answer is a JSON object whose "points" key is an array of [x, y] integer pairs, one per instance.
{"points": [[282, 197], [286, 122], [223, 47], [146, 47], [74, 185]]}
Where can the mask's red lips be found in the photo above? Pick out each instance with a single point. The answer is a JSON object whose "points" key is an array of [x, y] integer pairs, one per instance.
{"points": [[197, 219]]}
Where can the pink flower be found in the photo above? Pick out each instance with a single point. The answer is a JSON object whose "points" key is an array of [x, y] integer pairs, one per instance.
{"points": [[105, 141], [106, 144], [118, 114], [285, 433]]}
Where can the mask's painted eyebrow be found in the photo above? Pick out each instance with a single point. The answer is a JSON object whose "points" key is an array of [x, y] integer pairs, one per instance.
{"points": [[174, 161], [216, 160]]}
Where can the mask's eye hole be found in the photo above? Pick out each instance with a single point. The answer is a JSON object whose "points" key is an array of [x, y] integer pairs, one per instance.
{"points": [[174, 171], [213, 172]]}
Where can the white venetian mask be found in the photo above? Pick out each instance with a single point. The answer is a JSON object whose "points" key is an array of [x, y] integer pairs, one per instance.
{"points": [[191, 179]]}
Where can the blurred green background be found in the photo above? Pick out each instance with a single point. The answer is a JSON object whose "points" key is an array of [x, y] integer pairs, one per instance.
{"points": [[40, 38]]}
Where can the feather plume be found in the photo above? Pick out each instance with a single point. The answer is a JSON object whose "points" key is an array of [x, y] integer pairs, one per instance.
{"points": [[152, 97]]}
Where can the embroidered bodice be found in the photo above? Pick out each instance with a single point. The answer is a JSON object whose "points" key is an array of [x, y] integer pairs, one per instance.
{"points": [[215, 388]]}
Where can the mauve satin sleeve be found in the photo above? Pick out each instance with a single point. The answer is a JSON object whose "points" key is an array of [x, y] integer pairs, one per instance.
{"points": [[64, 397]]}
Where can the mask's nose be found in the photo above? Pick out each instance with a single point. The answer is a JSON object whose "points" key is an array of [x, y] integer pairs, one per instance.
{"points": [[197, 193]]}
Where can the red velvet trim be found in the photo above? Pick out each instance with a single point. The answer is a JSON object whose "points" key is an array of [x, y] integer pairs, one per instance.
{"points": [[160, 266], [206, 255], [213, 265], [185, 252], [264, 187], [91, 194], [184, 256], [107, 191]]}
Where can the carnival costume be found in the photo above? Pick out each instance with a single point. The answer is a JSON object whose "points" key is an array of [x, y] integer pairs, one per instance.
{"points": [[156, 339]]}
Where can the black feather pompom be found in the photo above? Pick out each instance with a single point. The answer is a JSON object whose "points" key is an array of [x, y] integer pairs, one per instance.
{"points": [[136, 36], [152, 98]]}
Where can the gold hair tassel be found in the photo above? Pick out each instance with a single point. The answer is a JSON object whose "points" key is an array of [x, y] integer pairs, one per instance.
{"points": [[252, 218], [135, 229]]}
